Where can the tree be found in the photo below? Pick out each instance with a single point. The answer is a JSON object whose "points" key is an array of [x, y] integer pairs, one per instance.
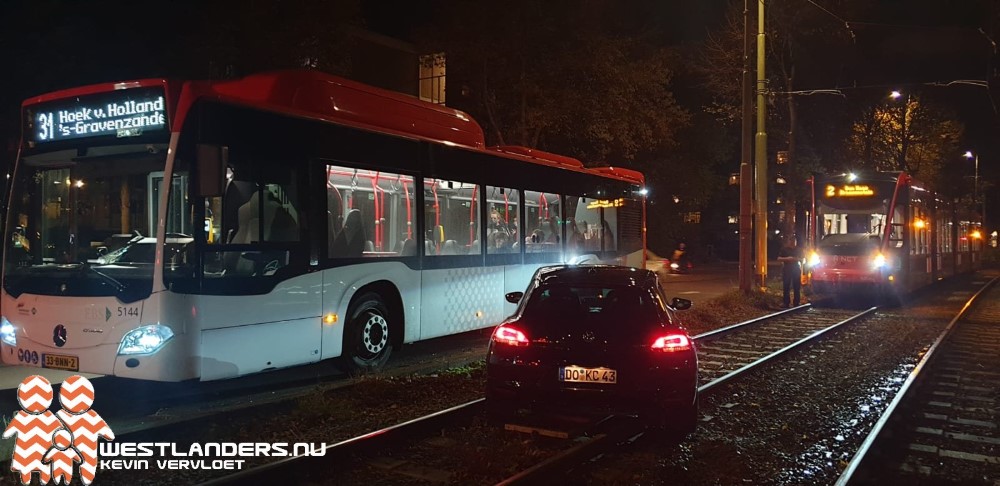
{"points": [[805, 47], [908, 134], [234, 38], [555, 75]]}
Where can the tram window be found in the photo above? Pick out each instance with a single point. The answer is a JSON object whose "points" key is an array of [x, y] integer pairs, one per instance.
{"points": [[369, 213], [451, 217], [502, 228], [543, 212], [897, 228], [920, 231], [944, 234], [963, 236]]}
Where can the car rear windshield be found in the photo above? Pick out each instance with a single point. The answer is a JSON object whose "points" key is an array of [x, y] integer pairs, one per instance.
{"points": [[616, 306]]}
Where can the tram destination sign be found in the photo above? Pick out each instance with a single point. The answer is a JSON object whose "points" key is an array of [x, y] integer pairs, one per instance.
{"points": [[120, 113], [850, 190]]}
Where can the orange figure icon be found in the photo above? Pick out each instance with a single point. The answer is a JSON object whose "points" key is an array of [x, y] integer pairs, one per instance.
{"points": [[77, 396], [33, 426], [62, 456]]}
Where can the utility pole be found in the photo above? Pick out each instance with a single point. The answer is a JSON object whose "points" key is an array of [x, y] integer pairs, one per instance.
{"points": [[760, 219], [746, 164]]}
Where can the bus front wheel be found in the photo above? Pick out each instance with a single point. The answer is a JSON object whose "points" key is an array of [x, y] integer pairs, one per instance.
{"points": [[367, 343]]}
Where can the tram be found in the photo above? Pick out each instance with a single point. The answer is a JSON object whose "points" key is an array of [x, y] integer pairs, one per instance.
{"points": [[886, 234]]}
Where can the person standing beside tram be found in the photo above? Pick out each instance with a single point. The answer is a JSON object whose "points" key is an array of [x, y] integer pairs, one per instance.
{"points": [[790, 257]]}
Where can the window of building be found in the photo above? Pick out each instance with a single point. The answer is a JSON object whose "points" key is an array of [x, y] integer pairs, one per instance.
{"points": [[432, 78], [692, 217]]}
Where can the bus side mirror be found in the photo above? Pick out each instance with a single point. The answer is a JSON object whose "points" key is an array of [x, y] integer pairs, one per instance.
{"points": [[211, 161]]}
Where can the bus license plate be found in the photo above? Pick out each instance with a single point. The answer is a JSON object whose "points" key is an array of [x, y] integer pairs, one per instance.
{"points": [[578, 374], [60, 362]]}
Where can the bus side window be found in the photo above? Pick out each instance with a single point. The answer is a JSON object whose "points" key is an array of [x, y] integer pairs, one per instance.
{"points": [[451, 214], [542, 225], [502, 232], [369, 213]]}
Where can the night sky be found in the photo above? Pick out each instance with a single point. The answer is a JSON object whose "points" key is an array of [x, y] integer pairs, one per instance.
{"points": [[53, 44]]}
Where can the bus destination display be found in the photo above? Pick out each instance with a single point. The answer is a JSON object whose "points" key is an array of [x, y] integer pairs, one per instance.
{"points": [[124, 113]]}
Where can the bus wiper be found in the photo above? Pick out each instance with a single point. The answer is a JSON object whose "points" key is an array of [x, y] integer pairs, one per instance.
{"points": [[118, 285]]}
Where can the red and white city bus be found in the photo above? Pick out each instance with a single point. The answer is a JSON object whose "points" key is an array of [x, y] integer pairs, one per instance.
{"points": [[169, 230], [884, 233]]}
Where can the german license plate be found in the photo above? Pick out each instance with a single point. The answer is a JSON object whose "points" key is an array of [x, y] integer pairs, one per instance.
{"points": [[60, 362], [579, 374]]}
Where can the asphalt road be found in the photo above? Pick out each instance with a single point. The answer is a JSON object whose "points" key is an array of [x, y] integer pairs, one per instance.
{"points": [[703, 282]]}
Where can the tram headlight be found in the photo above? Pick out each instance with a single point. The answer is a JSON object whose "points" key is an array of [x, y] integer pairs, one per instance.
{"points": [[878, 261], [7, 332], [813, 259], [145, 339]]}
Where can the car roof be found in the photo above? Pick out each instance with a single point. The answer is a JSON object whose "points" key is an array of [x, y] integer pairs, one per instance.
{"points": [[610, 275]]}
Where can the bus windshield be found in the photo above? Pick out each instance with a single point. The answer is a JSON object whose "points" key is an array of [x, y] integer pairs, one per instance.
{"points": [[71, 211]]}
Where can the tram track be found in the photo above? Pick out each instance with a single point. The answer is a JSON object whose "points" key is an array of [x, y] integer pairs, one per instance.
{"points": [[941, 426], [725, 353], [732, 348], [133, 406], [174, 411]]}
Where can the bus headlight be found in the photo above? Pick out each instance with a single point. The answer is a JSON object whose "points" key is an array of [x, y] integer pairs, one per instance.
{"points": [[878, 261], [145, 340], [813, 259], [7, 332]]}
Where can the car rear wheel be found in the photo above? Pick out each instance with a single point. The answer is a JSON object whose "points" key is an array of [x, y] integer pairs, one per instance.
{"points": [[367, 341]]}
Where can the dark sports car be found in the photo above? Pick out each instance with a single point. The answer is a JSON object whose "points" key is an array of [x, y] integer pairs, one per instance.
{"points": [[595, 338]]}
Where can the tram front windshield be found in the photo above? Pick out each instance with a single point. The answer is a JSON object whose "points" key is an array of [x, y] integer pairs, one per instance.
{"points": [[71, 211], [856, 208]]}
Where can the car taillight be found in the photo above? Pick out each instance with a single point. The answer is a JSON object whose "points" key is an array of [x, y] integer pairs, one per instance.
{"points": [[672, 342], [510, 335]]}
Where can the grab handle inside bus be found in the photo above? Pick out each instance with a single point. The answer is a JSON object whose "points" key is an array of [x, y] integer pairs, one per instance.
{"points": [[211, 161]]}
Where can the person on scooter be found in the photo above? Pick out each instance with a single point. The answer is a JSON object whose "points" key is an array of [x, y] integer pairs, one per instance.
{"points": [[679, 261]]}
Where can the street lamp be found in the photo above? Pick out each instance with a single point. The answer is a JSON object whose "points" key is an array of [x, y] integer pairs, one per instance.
{"points": [[975, 183]]}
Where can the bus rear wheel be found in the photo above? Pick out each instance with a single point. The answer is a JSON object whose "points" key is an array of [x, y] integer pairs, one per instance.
{"points": [[367, 341]]}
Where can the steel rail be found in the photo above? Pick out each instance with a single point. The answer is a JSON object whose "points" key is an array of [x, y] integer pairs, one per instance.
{"points": [[862, 454], [757, 320], [815, 335], [563, 461], [280, 470], [550, 468]]}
